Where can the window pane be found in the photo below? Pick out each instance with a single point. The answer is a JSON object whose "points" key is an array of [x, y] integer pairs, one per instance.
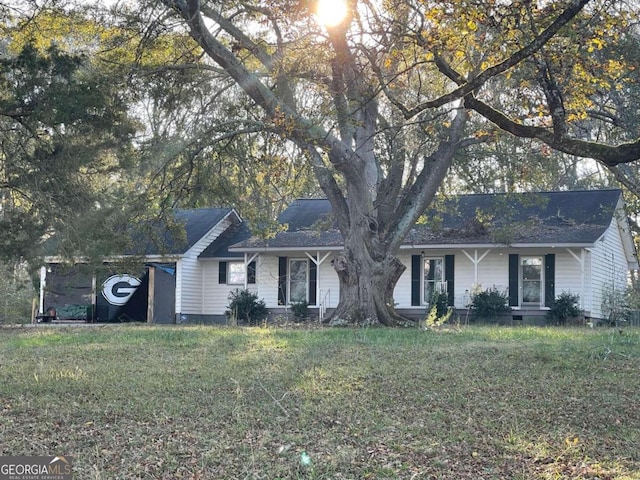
{"points": [[236, 273], [531, 279], [298, 281], [433, 278], [531, 292]]}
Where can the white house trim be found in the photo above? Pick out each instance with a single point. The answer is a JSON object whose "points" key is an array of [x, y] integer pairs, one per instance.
{"points": [[318, 262], [247, 260], [581, 261], [280, 249], [475, 260], [213, 233]]}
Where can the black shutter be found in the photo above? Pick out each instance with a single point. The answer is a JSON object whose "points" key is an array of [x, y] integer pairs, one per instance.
{"points": [[251, 272], [416, 270], [549, 279], [313, 282], [449, 269], [514, 269], [222, 272], [282, 280]]}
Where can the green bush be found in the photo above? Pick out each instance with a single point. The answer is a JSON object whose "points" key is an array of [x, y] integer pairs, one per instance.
{"points": [[300, 311], [16, 293], [616, 305], [490, 303], [244, 306], [564, 307], [440, 301], [434, 320]]}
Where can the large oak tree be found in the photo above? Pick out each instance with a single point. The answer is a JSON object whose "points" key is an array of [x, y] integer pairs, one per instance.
{"points": [[381, 102]]}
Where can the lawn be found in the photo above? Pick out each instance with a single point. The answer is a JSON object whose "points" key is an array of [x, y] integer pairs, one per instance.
{"points": [[151, 402]]}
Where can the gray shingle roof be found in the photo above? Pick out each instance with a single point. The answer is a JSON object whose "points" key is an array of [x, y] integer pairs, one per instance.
{"points": [[571, 217], [220, 246], [193, 224], [545, 218]]}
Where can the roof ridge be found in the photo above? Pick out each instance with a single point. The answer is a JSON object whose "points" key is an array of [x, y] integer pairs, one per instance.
{"points": [[582, 190]]}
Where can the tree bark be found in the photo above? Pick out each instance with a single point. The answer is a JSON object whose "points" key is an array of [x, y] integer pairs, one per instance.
{"points": [[368, 276]]}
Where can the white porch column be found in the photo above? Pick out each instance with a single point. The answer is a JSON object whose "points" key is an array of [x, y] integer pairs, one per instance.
{"points": [[247, 260], [318, 262], [43, 280], [476, 260], [581, 260]]}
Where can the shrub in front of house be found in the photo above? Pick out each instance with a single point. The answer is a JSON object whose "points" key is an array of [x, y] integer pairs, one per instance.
{"points": [[489, 304], [300, 311], [563, 308], [616, 305], [244, 306], [440, 300]]}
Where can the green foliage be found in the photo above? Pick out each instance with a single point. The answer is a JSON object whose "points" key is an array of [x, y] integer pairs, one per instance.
{"points": [[564, 307], [244, 306], [439, 301], [300, 311], [64, 131], [615, 305], [16, 294], [434, 320], [490, 303]]}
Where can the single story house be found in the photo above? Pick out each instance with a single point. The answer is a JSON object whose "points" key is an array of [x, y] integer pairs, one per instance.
{"points": [[532, 246]]}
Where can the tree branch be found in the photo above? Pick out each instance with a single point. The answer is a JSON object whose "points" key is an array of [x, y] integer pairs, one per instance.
{"points": [[607, 154], [468, 86], [418, 196]]}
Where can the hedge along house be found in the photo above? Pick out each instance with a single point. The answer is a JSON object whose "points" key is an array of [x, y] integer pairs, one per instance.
{"points": [[159, 282], [531, 246]]}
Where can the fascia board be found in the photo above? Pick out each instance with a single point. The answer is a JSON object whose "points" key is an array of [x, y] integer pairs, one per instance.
{"points": [[286, 249], [207, 239], [115, 258], [456, 246]]}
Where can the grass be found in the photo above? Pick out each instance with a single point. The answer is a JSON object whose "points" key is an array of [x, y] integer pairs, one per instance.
{"points": [[151, 402]]}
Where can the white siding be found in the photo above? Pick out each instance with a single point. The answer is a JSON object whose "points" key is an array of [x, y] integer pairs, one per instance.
{"points": [[189, 284], [178, 286], [569, 275], [605, 263], [608, 268], [267, 279], [402, 292], [329, 283], [214, 295], [492, 272]]}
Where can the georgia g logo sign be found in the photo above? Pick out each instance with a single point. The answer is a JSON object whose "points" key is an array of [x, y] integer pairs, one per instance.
{"points": [[118, 289]]}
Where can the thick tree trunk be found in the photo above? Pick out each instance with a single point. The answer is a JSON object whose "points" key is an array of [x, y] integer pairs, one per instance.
{"points": [[368, 275]]}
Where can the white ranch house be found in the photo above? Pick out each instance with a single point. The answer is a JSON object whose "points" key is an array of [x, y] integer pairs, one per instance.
{"points": [[532, 246]]}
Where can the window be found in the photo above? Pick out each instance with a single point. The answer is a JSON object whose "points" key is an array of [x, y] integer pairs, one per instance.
{"points": [[532, 282], [298, 280], [236, 274], [434, 283]]}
